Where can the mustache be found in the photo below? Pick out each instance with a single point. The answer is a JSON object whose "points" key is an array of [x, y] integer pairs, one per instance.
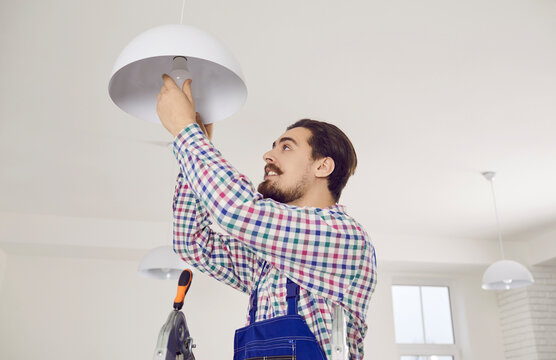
{"points": [[272, 167]]}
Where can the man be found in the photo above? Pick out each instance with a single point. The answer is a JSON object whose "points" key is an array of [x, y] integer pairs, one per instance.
{"points": [[290, 231]]}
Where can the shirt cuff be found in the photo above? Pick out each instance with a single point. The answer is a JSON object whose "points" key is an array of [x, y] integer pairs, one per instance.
{"points": [[190, 134]]}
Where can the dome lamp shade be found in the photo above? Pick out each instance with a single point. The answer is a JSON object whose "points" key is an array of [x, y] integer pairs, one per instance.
{"points": [[218, 87], [162, 263], [506, 275]]}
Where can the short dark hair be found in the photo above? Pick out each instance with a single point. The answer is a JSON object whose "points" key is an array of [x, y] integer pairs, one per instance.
{"points": [[328, 140]]}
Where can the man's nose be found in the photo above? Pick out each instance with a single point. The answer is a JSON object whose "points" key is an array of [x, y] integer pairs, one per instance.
{"points": [[268, 157]]}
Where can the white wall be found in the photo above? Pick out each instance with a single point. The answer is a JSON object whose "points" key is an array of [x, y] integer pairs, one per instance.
{"points": [[543, 247], [480, 330], [78, 308], [477, 327], [3, 265], [68, 307]]}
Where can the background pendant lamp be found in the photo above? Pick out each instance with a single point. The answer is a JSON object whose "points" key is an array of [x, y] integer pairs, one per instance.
{"points": [[162, 263], [182, 52], [504, 274]]}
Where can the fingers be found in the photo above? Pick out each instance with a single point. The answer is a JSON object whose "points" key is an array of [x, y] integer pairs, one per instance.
{"points": [[200, 123], [187, 90], [206, 128], [168, 82], [209, 128], [174, 107]]}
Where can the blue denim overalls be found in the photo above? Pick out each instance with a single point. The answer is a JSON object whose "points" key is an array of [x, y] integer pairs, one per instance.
{"points": [[281, 338]]}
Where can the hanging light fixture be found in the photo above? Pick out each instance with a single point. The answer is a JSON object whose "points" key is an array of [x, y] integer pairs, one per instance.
{"points": [[182, 52], [162, 263], [504, 274]]}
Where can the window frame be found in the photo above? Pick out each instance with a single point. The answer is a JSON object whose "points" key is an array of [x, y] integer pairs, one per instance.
{"points": [[430, 349]]}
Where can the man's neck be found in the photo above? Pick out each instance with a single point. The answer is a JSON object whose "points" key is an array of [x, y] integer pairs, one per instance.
{"points": [[315, 199]]}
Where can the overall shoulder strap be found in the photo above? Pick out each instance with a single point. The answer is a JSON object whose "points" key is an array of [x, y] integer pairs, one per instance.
{"points": [[292, 297], [254, 295]]}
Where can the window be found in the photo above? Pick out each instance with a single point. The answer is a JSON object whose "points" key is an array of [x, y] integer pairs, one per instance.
{"points": [[423, 322]]}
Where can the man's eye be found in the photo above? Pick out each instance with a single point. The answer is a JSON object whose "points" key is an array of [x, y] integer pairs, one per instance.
{"points": [[286, 147]]}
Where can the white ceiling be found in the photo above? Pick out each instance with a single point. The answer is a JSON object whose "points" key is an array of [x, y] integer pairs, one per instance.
{"points": [[431, 93]]}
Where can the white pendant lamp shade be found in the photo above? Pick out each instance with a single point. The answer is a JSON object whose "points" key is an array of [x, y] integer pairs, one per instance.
{"points": [[218, 87], [505, 275], [162, 263]]}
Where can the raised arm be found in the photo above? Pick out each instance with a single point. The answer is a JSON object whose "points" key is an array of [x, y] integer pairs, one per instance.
{"points": [[217, 255]]}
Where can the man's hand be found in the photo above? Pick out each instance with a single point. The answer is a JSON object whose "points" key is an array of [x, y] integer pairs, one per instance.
{"points": [[207, 128], [175, 108]]}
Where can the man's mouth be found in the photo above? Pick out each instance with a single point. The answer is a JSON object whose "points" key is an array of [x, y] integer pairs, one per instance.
{"points": [[271, 171]]}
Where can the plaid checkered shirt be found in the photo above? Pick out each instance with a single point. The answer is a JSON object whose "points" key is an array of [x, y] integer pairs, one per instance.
{"points": [[323, 250]]}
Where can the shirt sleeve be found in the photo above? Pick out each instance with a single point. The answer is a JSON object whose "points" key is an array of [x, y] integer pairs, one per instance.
{"points": [[321, 249], [217, 255], [356, 331]]}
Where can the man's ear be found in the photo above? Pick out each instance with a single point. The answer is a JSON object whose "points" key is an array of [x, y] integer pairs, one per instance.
{"points": [[325, 166]]}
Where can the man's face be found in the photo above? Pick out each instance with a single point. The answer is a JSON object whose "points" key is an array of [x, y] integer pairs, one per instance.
{"points": [[288, 170]]}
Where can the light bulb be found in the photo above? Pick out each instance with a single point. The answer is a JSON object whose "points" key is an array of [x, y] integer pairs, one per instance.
{"points": [[179, 71], [166, 273]]}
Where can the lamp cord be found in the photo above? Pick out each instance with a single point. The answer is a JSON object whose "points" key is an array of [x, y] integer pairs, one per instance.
{"points": [[497, 219], [182, 10]]}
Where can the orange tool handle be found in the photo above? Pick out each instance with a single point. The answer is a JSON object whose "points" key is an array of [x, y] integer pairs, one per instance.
{"points": [[183, 286]]}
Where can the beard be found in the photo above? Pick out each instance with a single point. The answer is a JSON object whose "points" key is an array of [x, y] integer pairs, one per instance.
{"points": [[270, 190]]}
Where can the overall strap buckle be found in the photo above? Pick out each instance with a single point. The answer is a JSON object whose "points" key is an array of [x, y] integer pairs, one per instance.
{"points": [[292, 296], [255, 294], [253, 306]]}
